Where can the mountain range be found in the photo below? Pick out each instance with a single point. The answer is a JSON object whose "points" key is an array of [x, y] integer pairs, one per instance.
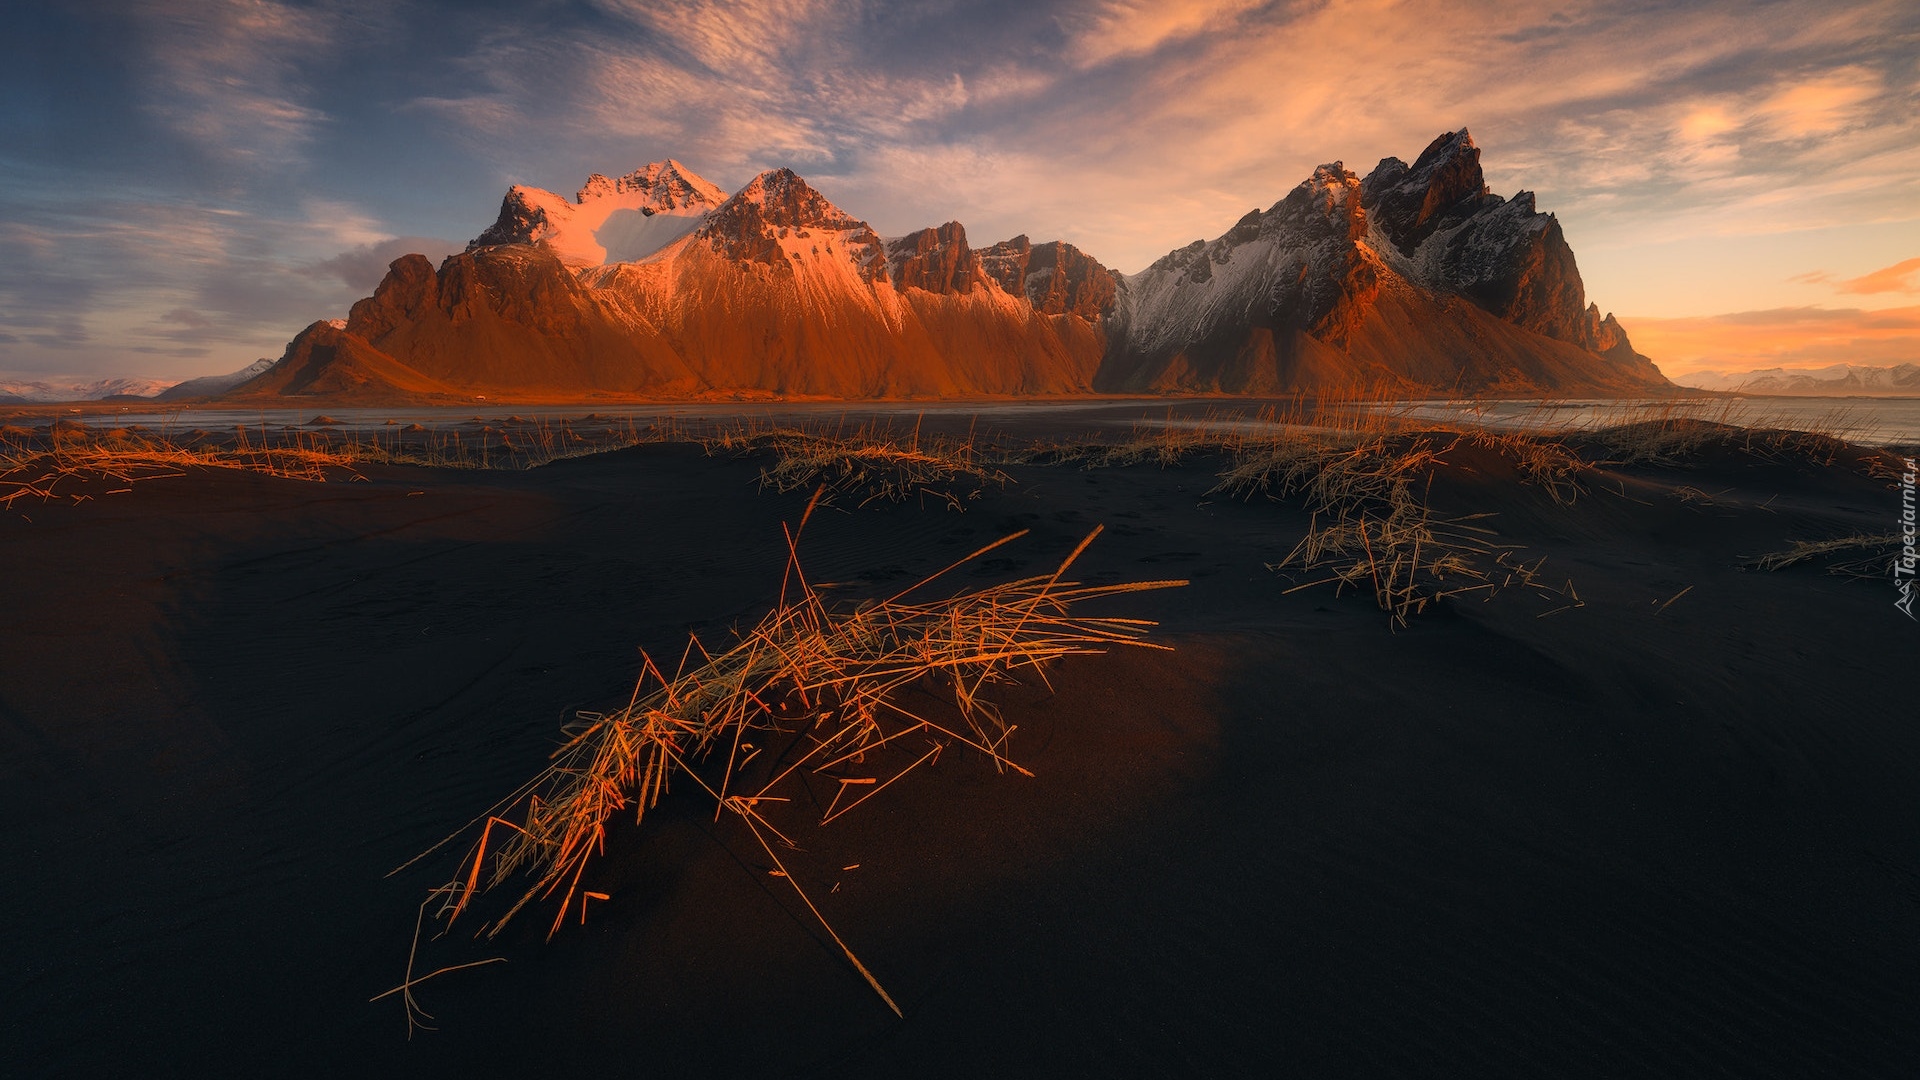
{"points": [[658, 284], [1837, 380], [56, 388]]}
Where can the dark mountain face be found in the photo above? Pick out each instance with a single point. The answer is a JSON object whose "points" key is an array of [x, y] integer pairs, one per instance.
{"points": [[1360, 282], [1058, 278], [520, 222], [1443, 187], [936, 260], [1502, 254], [1415, 278]]}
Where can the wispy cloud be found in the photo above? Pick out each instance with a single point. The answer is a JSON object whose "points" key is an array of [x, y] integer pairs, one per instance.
{"points": [[229, 75], [142, 279], [1901, 277], [283, 145], [1121, 28]]}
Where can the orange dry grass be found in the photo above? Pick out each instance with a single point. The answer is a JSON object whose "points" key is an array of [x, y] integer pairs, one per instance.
{"points": [[1371, 527], [1872, 556], [871, 463], [834, 672], [47, 464], [68, 456]]}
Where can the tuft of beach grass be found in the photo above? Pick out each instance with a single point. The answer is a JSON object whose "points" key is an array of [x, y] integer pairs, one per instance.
{"points": [[1869, 555], [833, 671]]}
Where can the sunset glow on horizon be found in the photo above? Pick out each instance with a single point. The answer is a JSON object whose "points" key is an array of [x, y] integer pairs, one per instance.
{"points": [[191, 184]]}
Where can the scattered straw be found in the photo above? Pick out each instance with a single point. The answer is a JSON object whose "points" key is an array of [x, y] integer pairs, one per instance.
{"points": [[871, 463], [1877, 552], [831, 671]]}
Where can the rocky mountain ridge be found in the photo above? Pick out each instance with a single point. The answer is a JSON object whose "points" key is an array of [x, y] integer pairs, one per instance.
{"points": [[655, 284], [1413, 278]]}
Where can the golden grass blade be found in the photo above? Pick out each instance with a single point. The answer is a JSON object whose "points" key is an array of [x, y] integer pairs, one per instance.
{"points": [[931, 755], [747, 815]]}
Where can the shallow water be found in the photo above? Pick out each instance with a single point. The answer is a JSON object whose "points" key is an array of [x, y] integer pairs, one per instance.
{"points": [[1871, 421]]}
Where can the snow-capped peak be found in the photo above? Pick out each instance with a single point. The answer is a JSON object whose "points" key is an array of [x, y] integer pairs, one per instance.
{"points": [[79, 388], [668, 186], [782, 198], [627, 219]]}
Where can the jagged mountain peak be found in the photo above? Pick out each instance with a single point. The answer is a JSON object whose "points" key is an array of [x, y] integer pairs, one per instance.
{"points": [[779, 219], [1416, 277], [1444, 183], [1325, 208], [1447, 146], [1328, 204], [1055, 277], [1344, 275], [668, 186], [783, 198], [610, 220], [934, 259]]}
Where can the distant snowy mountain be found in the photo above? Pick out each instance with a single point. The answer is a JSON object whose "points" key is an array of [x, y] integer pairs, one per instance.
{"points": [[1838, 380], [209, 385], [656, 284], [79, 389]]}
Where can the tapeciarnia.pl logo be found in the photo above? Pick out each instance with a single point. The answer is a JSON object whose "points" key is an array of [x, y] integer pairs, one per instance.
{"points": [[1904, 565]]}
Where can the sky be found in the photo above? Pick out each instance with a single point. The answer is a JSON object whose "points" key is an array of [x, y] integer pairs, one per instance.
{"points": [[184, 186]]}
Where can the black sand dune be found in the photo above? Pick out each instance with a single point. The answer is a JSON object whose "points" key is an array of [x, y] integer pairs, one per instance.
{"points": [[1622, 840]]}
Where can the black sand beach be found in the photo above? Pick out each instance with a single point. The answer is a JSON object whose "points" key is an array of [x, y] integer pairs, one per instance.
{"points": [[1647, 836]]}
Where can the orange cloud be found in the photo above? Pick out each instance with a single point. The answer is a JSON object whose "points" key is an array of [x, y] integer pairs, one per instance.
{"points": [[1821, 106], [1122, 28], [1778, 337], [1900, 277]]}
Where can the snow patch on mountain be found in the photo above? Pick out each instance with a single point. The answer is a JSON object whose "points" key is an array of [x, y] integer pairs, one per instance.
{"points": [[626, 219], [80, 388], [1898, 380], [1293, 261], [209, 385]]}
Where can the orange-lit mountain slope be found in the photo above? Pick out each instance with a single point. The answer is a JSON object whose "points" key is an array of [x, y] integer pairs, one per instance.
{"points": [[653, 285]]}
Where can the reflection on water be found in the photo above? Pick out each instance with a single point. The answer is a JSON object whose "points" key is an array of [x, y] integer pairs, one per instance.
{"points": [[1873, 421]]}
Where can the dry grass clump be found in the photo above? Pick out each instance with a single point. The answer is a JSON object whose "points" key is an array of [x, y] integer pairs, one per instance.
{"points": [[514, 443], [870, 464], [1876, 555], [1362, 472], [1691, 495], [1661, 441], [1301, 434], [1347, 417], [1544, 461], [46, 464], [1165, 444], [831, 675], [1669, 433], [510, 444], [1371, 527]]}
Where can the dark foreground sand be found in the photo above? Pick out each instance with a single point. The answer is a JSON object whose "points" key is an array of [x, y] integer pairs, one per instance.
{"points": [[1615, 841]]}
